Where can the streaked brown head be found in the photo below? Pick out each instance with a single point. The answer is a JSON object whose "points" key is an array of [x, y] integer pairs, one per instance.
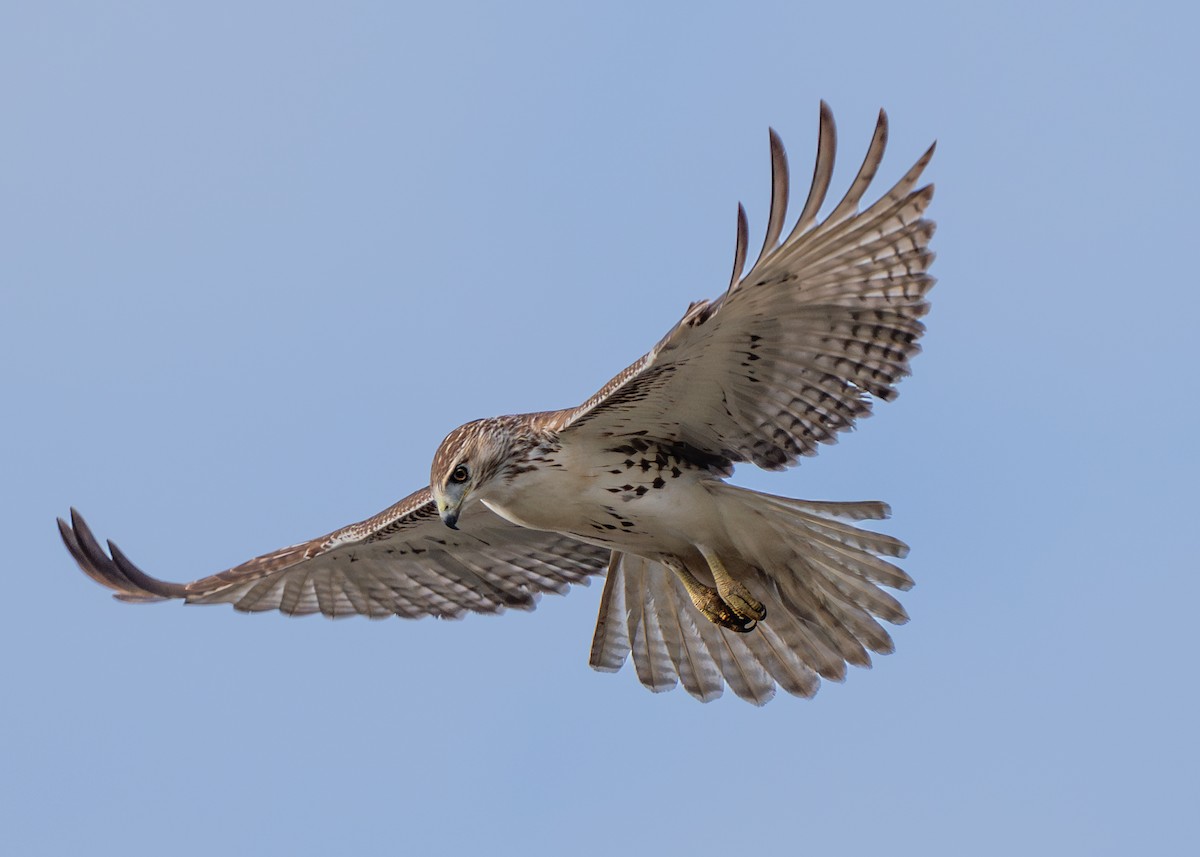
{"points": [[468, 459]]}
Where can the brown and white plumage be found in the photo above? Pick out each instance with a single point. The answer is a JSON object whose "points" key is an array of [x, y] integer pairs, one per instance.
{"points": [[401, 562], [707, 584], [795, 350]]}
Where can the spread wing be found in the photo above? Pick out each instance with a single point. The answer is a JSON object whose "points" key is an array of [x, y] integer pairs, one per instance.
{"points": [[403, 561], [795, 351]]}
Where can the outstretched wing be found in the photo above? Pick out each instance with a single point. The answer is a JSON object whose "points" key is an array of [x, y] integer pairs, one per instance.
{"points": [[403, 561], [794, 352]]}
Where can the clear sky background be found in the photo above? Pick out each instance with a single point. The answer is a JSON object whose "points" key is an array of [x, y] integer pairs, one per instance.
{"points": [[257, 259]]}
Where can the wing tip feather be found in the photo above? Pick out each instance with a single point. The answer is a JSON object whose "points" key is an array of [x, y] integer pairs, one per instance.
{"points": [[739, 253], [113, 570]]}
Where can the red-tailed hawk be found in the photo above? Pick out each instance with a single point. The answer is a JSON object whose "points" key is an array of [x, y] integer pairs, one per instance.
{"points": [[707, 583]]}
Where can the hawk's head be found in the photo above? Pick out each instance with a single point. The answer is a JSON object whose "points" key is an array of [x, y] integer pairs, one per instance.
{"points": [[469, 458]]}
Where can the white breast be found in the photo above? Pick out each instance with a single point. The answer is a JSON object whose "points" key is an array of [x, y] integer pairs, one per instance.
{"points": [[643, 501]]}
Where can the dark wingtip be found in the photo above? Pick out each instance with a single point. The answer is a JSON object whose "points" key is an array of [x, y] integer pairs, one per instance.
{"points": [[115, 572], [140, 579], [739, 253]]}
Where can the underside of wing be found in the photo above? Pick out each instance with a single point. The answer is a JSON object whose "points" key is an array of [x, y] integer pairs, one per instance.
{"points": [[795, 351], [402, 562]]}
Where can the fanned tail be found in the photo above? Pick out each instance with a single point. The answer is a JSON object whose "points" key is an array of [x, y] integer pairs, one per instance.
{"points": [[818, 576]]}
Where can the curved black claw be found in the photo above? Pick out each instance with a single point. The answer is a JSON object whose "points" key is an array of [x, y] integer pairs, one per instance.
{"points": [[745, 605], [720, 613]]}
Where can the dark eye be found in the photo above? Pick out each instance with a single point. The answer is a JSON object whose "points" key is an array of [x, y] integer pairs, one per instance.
{"points": [[460, 474]]}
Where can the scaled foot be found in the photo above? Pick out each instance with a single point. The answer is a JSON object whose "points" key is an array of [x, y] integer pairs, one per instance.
{"points": [[742, 603], [735, 595], [709, 602]]}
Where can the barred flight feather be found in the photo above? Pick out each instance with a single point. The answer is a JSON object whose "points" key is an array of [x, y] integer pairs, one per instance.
{"points": [[794, 352]]}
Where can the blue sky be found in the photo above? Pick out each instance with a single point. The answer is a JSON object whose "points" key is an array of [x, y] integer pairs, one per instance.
{"points": [[259, 259]]}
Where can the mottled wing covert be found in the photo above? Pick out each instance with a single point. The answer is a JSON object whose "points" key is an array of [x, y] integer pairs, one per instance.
{"points": [[403, 561], [796, 350]]}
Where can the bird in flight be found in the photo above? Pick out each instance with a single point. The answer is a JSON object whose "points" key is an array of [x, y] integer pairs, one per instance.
{"points": [[706, 583]]}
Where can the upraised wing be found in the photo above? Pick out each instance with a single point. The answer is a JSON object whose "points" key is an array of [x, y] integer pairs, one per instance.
{"points": [[403, 561], [794, 352]]}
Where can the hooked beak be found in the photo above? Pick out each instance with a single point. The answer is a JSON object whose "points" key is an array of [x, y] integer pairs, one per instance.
{"points": [[449, 516]]}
